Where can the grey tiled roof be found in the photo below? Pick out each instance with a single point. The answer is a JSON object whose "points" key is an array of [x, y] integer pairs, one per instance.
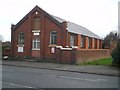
{"points": [[74, 28], [58, 19], [77, 29]]}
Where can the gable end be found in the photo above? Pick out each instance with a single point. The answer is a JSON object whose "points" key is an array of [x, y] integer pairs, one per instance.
{"points": [[43, 12]]}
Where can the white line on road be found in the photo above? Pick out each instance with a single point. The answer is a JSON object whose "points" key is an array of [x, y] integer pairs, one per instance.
{"points": [[18, 85], [102, 79], [6, 70], [94, 80], [74, 78]]}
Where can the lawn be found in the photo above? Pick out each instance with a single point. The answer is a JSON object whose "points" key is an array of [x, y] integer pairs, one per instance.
{"points": [[104, 61]]}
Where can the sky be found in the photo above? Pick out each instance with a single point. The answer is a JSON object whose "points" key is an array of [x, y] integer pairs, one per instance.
{"points": [[99, 16]]}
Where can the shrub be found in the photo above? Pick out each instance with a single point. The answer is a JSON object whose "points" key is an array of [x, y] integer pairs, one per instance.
{"points": [[116, 54]]}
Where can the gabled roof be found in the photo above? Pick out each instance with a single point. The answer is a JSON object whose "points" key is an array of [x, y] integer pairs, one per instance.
{"points": [[77, 29], [71, 27], [33, 10]]}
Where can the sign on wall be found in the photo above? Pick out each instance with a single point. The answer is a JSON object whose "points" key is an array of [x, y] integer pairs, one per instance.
{"points": [[36, 33], [53, 50], [20, 49]]}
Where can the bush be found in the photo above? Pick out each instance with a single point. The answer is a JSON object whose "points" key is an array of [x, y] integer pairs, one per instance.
{"points": [[116, 54]]}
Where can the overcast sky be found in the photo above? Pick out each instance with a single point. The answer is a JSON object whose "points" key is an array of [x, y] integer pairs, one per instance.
{"points": [[99, 16]]}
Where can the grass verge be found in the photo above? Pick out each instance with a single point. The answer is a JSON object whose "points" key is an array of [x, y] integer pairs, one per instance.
{"points": [[104, 61]]}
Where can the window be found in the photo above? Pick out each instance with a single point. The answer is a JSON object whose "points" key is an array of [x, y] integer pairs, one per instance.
{"points": [[21, 38], [36, 44], [53, 37], [100, 44], [72, 39], [95, 43], [82, 41], [36, 23], [89, 42]]}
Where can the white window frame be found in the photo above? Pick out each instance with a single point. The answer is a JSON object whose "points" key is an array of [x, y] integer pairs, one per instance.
{"points": [[35, 45], [54, 42]]}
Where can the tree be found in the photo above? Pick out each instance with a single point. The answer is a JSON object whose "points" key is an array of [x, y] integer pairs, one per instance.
{"points": [[116, 54], [6, 45], [111, 36]]}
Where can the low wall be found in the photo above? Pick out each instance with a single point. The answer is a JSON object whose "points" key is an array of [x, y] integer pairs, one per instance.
{"points": [[75, 56], [63, 55], [90, 55]]}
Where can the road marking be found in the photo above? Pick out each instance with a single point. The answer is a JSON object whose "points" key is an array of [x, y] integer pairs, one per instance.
{"points": [[94, 80], [70, 77], [85, 79], [18, 85], [102, 79], [4, 70]]}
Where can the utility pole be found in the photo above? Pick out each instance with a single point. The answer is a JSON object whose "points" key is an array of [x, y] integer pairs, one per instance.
{"points": [[119, 19]]}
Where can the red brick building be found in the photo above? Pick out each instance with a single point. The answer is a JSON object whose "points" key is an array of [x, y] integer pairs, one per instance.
{"points": [[38, 34]]}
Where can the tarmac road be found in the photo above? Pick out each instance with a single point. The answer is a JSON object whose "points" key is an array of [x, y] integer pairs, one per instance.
{"points": [[25, 77]]}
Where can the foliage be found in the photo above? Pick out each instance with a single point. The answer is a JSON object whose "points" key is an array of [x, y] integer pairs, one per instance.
{"points": [[111, 36], [6, 45], [116, 54]]}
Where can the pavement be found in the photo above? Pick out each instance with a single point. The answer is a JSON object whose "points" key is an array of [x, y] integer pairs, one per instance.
{"points": [[89, 69]]}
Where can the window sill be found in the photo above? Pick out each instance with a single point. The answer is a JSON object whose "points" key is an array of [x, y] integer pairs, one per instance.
{"points": [[36, 49], [52, 45]]}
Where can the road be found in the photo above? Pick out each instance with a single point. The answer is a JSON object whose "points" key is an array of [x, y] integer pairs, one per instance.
{"points": [[24, 77]]}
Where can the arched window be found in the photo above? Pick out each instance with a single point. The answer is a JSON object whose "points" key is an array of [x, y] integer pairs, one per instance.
{"points": [[53, 37], [21, 38]]}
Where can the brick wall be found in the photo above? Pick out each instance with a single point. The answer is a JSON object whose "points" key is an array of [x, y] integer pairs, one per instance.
{"points": [[90, 55], [35, 53], [47, 24], [63, 55], [75, 56], [26, 29]]}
